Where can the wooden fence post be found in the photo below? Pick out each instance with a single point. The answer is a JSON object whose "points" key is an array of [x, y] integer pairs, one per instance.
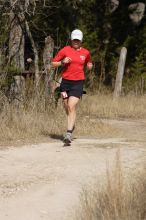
{"points": [[120, 72], [47, 58]]}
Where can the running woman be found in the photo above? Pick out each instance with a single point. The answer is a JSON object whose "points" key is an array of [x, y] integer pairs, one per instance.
{"points": [[73, 58]]}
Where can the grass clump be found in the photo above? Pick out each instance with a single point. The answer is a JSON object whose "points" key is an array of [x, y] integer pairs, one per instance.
{"points": [[118, 198]]}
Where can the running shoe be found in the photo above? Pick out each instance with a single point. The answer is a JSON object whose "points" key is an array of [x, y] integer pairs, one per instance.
{"points": [[67, 138]]}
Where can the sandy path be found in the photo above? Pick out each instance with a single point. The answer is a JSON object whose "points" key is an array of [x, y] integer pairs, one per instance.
{"points": [[44, 181]]}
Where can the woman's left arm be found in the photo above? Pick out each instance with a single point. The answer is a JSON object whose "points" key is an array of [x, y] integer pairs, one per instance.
{"points": [[89, 66], [89, 62]]}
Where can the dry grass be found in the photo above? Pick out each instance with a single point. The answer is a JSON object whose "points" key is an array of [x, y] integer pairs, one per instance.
{"points": [[103, 106], [119, 198], [30, 123], [89, 127], [36, 121]]}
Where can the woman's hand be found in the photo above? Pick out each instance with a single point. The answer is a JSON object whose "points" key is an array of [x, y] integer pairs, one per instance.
{"points": [[67, 60], [89, 66]]}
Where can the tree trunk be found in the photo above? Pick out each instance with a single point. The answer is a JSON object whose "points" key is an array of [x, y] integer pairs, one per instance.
{"points": [[36, 56], [17, 91], [16, 44], [1, 60], [136, 12]]}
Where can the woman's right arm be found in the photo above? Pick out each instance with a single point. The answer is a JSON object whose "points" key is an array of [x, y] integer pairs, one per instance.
{"points": [[58, 59], [56, 63], [66, 60]]}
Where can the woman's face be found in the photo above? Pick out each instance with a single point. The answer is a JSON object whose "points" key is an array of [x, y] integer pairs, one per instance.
{"points": [[76, 43]]}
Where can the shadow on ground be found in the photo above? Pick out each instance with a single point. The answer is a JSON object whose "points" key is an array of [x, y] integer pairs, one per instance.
{"points": [[56, 136]]}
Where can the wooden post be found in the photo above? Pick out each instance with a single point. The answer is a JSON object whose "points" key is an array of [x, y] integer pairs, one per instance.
{"points": [[120, 72], [47, 58]]}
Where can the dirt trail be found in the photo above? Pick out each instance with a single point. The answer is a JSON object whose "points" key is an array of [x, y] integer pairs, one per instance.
{"points": [[44, 181]]}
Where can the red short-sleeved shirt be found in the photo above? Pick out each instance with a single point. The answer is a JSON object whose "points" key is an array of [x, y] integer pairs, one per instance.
{"points": [[75, 69]]}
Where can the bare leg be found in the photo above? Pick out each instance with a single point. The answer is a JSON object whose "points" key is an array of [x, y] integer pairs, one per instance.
{"points": [[71, 117], [65, 104], [70, 108]]}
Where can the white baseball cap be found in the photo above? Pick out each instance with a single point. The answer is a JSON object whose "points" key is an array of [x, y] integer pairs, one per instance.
{"points": [[77, 34]]}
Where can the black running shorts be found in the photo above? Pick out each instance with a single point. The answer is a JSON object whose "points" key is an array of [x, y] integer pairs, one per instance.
{"points": [[72, 88]]}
